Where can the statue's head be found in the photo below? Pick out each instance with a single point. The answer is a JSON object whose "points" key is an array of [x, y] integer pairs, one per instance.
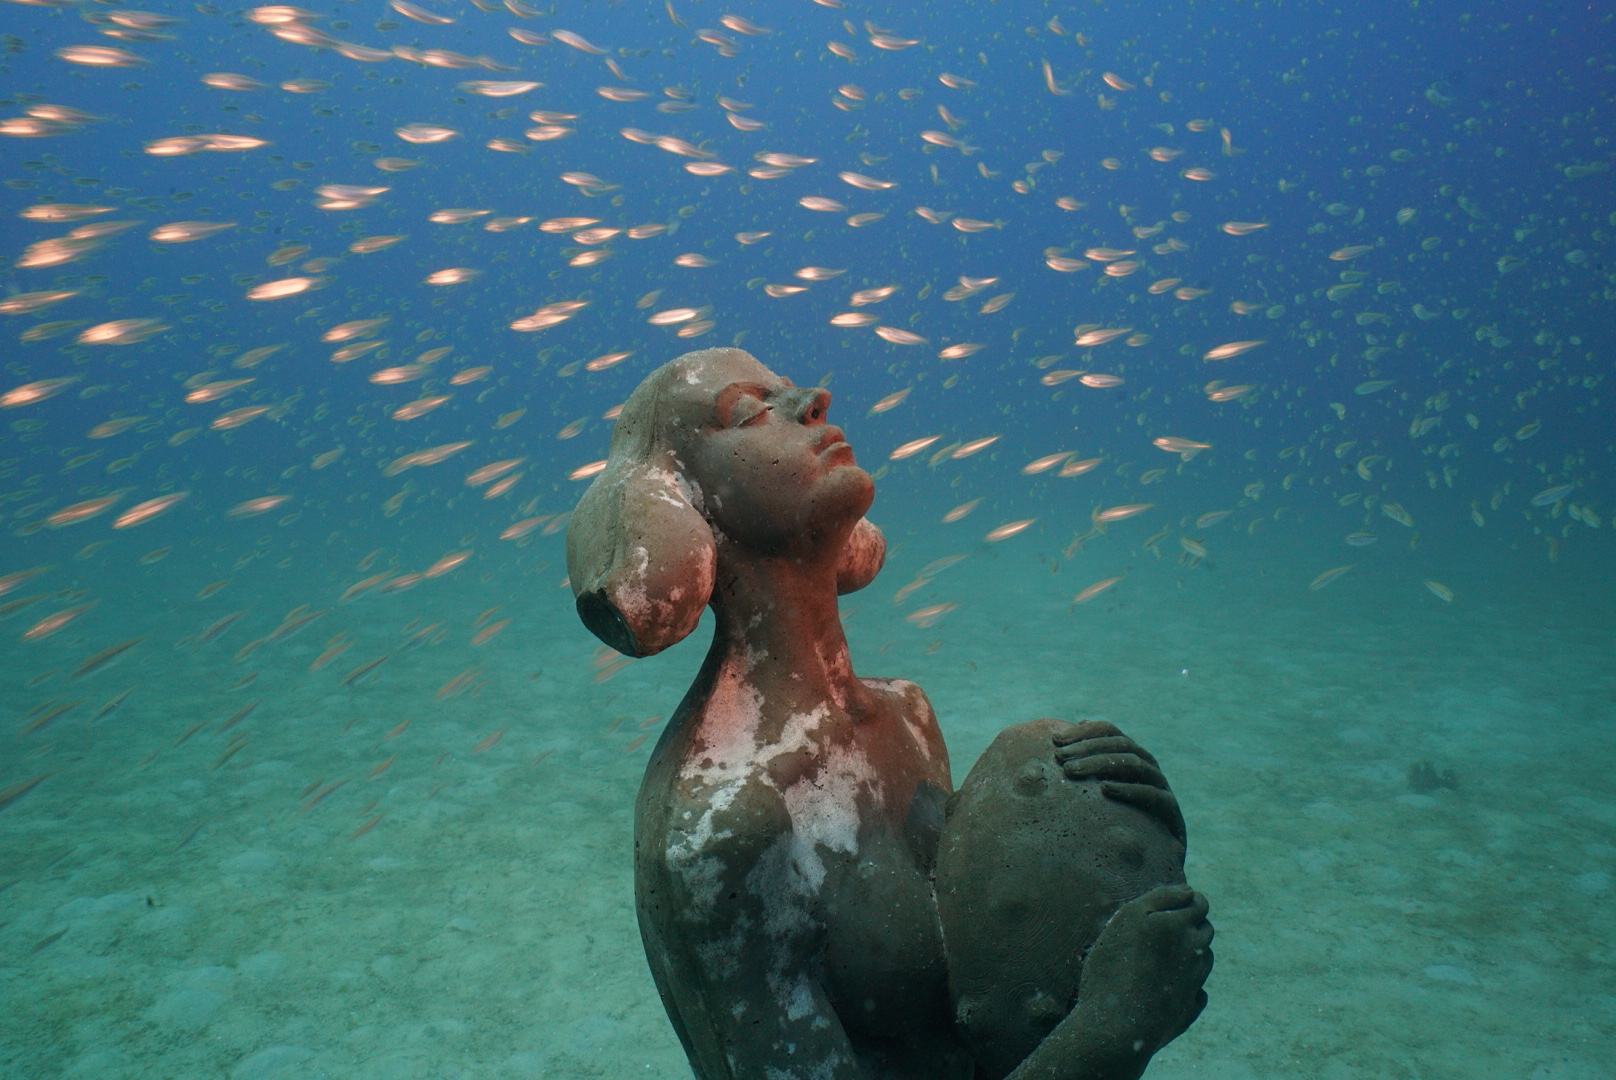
{"points": [[714, 457]]}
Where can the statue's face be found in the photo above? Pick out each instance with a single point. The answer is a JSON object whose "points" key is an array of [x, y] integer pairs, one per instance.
{"points": [[773, 474]]}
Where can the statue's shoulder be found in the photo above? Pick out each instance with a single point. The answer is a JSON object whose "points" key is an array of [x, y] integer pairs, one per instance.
{"points": [[915, 708], [909, 696]]}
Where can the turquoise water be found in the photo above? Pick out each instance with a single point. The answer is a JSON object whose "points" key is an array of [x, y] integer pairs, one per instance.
{"points": [[355, 799]]}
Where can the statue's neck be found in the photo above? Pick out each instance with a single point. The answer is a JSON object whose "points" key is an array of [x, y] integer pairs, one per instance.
{"points": [[779, 639]]}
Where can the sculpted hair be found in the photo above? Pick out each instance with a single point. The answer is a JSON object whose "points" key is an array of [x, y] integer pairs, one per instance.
{"points": [[640, 554]]}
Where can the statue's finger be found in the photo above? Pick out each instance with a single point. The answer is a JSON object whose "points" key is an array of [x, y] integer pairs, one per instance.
{"points": [[1159, 804], [1113, 744], [1124, 768], [1166, 898], [1086, 729]]}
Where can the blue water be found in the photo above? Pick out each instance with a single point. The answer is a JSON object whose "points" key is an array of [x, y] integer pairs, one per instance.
{"points": [[1430, 292]]}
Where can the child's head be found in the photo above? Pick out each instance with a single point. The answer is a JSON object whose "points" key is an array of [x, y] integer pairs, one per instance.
{"points": [[1030, 867]]}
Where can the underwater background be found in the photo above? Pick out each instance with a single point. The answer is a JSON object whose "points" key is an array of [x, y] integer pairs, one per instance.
{"points": [[1236, 372]]}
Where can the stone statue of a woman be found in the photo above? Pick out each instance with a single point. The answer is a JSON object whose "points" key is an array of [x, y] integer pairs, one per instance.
{"points": [[813, 902]]}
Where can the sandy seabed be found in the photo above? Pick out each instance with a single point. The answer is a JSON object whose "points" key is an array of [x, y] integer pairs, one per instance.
{"points": [[213, 907]]}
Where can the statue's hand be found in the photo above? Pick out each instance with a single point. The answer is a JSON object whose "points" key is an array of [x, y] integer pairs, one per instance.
{"points": [[1142, 980], [1096, 750]]}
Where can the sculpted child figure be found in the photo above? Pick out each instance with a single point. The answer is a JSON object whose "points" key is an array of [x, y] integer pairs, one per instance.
{"points": [[814, 898]]}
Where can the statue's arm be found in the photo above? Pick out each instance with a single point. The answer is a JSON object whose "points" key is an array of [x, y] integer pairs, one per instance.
{"points": [[1079, 1049], [740, 942], [1141, 989], [785, 1029]]}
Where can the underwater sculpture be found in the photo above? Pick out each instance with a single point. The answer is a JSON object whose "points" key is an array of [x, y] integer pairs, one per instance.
{"points": [[812, 900]]}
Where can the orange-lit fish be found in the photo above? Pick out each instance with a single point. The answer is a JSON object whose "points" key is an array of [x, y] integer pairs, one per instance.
{"points": [[493, 471], [85, 510], [447, 563], [34, 392], [1397, 514], [217, 628], [419, 407], [235, 418], [1009, 529], [1120, 513], [1093, 590], [975, 446], [1328, 576], [112, 427], [929, 616], [111, 706], [364, 669], [367, 826], [854, 319], [329, 655], [141, 513], [1232, 349], [314, 800], [489, 631], [105, 657], [910, 449], [294, 622], [1440, 591], [213, 391], [891, 401], [521, 528], [1045, 463], [50, 624], [239, 715], [430, 456], [11, 607], [400, 583], [1185, 448], [899, 337], [908, 590], [12, 580], [456, 684], [48, 712], [1078, 468], [18, 790], [254, 507]]}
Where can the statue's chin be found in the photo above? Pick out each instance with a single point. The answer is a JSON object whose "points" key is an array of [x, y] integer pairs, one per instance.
{"points": [[845, 491]]}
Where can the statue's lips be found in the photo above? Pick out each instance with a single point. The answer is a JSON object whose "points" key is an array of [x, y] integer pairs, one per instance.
{"points": [[835, 445]]}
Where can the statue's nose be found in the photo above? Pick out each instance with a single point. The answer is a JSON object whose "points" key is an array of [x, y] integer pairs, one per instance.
{"points": [[806, 404]]}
